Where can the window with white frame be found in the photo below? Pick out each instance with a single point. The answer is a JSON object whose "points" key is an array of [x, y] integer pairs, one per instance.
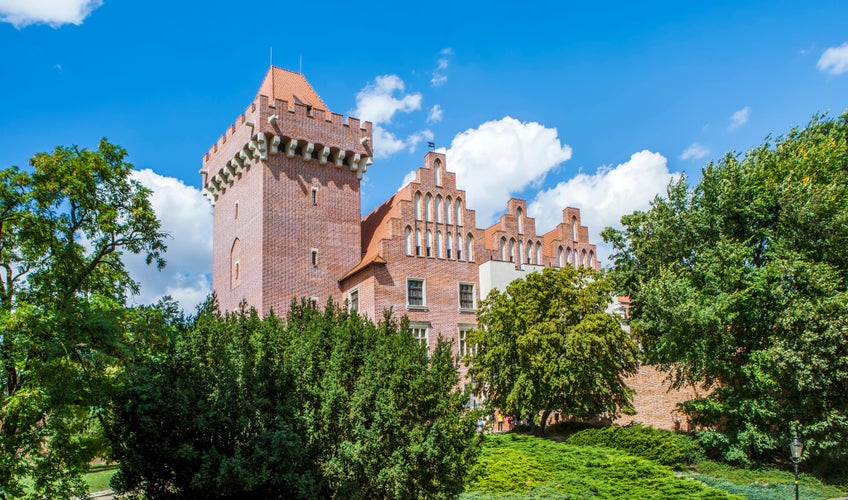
{"points": [[465, 349], [415, 293], [419, 332], [466, 296], [353, 300]]}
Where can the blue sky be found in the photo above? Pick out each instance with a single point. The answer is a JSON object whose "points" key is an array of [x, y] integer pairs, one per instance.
{"points": [[557, 103]]}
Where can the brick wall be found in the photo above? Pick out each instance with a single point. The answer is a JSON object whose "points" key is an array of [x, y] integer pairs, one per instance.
{"points": [[655, 402]]}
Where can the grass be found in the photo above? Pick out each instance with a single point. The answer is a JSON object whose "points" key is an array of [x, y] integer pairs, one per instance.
{"points": [[763, 483], [513, 466], [98, 477], [519, 466]]}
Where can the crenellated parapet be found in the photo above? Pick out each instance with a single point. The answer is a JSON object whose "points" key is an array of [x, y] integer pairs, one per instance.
{"points": [[277, 127]]}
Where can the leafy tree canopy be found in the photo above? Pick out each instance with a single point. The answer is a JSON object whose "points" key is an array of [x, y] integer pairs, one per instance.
{"points": [[63, 226], [742, 282], [323, 404], [548, 344]]}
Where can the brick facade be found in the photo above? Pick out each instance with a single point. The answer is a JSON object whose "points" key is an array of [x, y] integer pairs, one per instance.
{"points": [[285, 183]]}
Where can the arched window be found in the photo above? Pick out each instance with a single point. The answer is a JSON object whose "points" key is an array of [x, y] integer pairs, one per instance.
{"points": [[458, 206], [520, 251], [583, 258], [439, 244], [539, 253], [519, 218], [529, 252], [235, 264], [591, 259], [503, 249], [439, 208], [469, 248], [574, 228], [450, 246], [428, 208], [448, 210], [418, 242], [567, 256], [512, 250], [407, 240], [417, 206], [458, 246], [574, 255], [429, 243], [559, 257], [437, 169]]}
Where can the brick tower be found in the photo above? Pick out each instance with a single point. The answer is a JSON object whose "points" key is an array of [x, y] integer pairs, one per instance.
{"points": [[284, 182]]}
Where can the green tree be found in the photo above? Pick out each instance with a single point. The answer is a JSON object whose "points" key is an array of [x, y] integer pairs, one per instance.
{"points": [[323, 404], [212, 415], [740, 283], [383, 419], [548, 344], [64, 224]]}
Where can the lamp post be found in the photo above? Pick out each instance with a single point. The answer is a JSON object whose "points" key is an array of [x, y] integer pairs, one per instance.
{"points": [[796, 447]]}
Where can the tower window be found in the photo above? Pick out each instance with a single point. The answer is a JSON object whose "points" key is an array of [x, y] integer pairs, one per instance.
{"points": [[314, 258], [235, 210], [315, 196]]}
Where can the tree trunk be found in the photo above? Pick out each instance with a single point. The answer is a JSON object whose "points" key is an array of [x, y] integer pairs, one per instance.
{"points": [[543, 422], [532, 422]]}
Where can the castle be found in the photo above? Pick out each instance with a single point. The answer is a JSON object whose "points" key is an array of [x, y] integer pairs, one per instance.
{"points": [[284, 180]]}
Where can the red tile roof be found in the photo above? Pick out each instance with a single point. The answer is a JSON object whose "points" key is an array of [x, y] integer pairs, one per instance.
{"points": [[290, 86]]}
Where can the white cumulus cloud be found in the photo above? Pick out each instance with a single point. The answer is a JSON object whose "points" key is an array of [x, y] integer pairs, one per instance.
{"points": [[695, 151], [604, 196], [379, 102], [55, 13], [187, 216], [435, 114], [500, 158], [739, 118], [834, 60]]}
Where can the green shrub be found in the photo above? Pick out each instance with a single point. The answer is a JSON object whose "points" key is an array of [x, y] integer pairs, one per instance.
{"points": [[666, 447], [520, 466]]}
